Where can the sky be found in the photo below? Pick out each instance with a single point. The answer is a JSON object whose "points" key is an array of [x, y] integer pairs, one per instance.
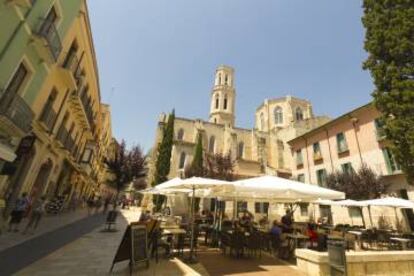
{"points": [[156, 55]]}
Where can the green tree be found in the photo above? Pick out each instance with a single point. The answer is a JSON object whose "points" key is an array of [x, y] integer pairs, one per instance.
{"points": [[126, 166], [220, 166], [360, 185], [162, 165], [389, 42], [197, 167]]}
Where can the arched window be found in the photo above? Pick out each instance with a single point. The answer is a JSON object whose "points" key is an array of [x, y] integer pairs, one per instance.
{"points": [[225, 102], [278, 113], [262, 121], [226, 79], [299, 114], [180, 134], [217, 101], [182, 160], [240, 150], [211, 144], [219, 79]]}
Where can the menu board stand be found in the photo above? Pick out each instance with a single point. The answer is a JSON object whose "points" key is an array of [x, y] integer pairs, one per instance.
{"points": [[133, 247]]}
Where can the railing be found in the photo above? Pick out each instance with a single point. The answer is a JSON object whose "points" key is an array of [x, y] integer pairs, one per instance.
{"points": [[88, 111], [69, 143], [49, 32], [48, 118], [72, 64], [16, 110], [62, 135]]}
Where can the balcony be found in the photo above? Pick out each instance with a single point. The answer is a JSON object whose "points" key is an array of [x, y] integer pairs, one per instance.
{"points": [[15, 112], [61, 136], [47, 41], [317, 158], [80, 103], [69, 144], [48, 119], [70, 71]]}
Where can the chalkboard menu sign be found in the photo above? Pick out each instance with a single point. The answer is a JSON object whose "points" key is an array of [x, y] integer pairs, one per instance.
{"points": [[139, 243], [133, 247]]}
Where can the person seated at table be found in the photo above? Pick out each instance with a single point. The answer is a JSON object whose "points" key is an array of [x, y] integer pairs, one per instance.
{"points": [[312, 234], [276, 230], [210, 217], [287, 222], [246, 220], [264, 221]]}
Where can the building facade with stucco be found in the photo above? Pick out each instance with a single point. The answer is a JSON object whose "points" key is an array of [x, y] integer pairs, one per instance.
{"points": [[258, 150]]}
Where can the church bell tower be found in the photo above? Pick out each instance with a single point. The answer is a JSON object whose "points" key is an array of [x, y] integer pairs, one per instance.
{"points": [[223, 97]]}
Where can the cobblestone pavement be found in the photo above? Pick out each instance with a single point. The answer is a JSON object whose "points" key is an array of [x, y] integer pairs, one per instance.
{"points": [[47, 224], [92, 254]]}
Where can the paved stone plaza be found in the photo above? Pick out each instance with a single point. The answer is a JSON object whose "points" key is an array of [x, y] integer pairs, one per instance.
{"points": [[92, 254]]}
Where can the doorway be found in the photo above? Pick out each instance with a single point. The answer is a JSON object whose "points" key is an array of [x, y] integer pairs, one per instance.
{"points": [[41, 179]]}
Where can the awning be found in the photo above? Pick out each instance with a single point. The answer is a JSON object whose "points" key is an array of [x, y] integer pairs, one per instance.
{"points": [[7, 153]]}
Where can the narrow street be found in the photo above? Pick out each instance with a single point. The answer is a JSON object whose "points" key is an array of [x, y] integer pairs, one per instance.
{"points": [[16, 257]]}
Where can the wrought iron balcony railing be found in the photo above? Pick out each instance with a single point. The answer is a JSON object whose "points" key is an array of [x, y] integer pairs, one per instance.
{"points": [[48, 118], [15, 109]]}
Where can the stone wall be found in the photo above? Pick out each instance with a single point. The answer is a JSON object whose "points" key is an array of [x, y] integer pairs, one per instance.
{"points": [[358, 263]]}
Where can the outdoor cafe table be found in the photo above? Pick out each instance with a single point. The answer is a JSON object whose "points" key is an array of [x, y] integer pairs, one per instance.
{"points": [[297, 239], [174, 232], [404, 242], [358, 235]]}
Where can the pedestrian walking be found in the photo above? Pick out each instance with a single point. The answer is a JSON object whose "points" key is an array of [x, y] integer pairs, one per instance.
{"points": [[73, 204], [90, 203], [98, 204], [106, 205], [38, 209], [19, 210]]}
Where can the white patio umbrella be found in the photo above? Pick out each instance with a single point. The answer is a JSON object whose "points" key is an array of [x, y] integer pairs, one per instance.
{"points": [[195, 183], [349, 203], [277, 189], [389, 202]]}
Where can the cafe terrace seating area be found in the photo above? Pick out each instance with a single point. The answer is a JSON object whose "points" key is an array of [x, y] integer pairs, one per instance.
{"points": [[301, 243]]}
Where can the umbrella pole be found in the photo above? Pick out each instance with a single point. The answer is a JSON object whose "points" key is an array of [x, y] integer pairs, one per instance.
{"points": [[370, 216], [192, 258], [396, 218], [362, 216]]}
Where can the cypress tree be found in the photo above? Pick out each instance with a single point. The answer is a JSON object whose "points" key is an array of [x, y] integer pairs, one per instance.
{"points": [[389, 42], [197, 168], [162, 165]]}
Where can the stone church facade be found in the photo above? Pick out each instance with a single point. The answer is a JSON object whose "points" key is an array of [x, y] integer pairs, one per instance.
{"points": [[260, 150]]}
